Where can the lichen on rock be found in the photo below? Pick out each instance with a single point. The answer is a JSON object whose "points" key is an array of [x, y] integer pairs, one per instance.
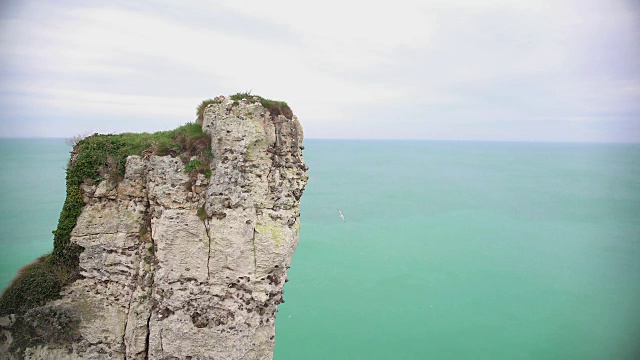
{"points": [[179, 263]]}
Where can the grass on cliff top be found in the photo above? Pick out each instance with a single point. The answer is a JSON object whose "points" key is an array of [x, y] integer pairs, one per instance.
{"points": [[102, 155], [275, 107], [93, 159]]}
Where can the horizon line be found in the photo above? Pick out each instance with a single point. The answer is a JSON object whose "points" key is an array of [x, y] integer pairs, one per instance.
{"points": [[393, 139]]}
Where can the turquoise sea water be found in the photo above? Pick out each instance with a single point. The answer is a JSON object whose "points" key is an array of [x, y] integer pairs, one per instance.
{"points": [[450, 250], [463, 250], [32, 191]]}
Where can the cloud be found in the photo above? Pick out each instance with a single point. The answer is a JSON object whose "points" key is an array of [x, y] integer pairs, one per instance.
{"points": [[341, 65]]}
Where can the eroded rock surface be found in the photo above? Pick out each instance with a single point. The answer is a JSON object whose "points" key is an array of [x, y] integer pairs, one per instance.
{"points": [[179, 267]]}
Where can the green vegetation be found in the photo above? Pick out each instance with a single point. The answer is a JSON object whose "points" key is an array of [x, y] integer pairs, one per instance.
{"points": [[275, 107], [265, 102], [193, 165], [94, 159], [200, 109], [35, 284], [201, 213], [197, 166], [143, 231], [45, 325]]}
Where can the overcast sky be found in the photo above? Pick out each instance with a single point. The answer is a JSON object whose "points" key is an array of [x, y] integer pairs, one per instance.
{"points": [[533, 70]]}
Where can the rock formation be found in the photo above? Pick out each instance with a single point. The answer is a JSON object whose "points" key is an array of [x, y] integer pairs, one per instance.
{"points": [[177, 266]]}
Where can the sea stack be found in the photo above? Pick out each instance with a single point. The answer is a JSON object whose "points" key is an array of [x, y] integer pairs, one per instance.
{"points": [[177, 258]]}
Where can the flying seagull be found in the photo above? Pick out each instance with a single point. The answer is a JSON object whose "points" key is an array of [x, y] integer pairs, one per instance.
{"points": [[341, 215]]}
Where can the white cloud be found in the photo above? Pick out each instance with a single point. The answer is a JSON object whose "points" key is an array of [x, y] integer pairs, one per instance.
{"points": [[335, 62]]}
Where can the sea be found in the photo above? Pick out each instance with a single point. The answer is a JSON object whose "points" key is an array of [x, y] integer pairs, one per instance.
{"points": [[448, 249]]}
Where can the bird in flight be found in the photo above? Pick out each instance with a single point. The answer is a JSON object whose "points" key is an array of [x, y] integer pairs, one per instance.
{"points": [[341, 215]]}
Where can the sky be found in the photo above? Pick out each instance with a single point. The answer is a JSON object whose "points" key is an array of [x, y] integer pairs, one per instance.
{"points": [[538, 70]]}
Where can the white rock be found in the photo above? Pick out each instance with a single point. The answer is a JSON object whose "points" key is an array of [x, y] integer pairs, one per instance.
{"points": [[205, 288]]}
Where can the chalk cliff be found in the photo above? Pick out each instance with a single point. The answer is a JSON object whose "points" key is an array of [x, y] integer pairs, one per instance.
{"points": [[179, 264]]}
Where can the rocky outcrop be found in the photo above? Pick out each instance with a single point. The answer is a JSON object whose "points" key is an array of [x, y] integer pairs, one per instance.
{"points": [[177, 265]]}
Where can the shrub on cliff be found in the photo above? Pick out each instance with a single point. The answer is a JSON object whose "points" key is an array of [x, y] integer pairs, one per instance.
{"points": [[34, 285], [275, 107], [200, 109]]}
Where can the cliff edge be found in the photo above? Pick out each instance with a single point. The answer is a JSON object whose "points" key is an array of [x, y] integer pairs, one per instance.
{"points": [[180, 252]]}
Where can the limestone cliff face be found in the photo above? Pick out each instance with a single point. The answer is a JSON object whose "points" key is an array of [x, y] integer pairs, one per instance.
{"points": [[180, 267]]}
